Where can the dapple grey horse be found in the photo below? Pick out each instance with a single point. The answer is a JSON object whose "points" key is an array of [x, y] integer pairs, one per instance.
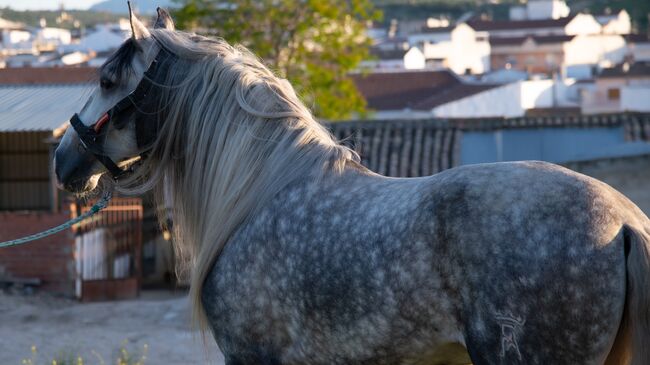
{"points": [[302, 256]]}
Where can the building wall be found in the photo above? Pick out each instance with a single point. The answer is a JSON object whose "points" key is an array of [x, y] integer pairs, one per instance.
{"points": [[639, 51], [546, 9], [414, 59], [583, 24], [511, 100], [531, 58], [556, 145], [616, 94], [461, 50], [12, 38], [421, 39], [621, 25], [595, 49], [635, 98], [50, 259], [469, 51]]}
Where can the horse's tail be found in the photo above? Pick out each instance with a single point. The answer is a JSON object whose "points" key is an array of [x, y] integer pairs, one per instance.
{"points": [[635, 328]]}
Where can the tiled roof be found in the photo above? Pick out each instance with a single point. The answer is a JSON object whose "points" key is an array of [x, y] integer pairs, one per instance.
{"points": [[401, 90], [448, 29], [423, 147], [46, 75], [453, 93], [637, 69], [423, 90], [563, 111], [637, 38], [393, 54], [39, 107], [512, 41], [488, 25], [402, 148]]}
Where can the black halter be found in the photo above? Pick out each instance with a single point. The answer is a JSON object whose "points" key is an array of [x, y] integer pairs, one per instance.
{"points": [[140, 102]]}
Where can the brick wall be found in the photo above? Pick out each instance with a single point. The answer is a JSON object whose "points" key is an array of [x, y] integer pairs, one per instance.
{"points": [[50, 259]]}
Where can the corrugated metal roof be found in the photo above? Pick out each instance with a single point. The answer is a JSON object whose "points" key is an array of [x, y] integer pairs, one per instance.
{"points": [[39, 107]]}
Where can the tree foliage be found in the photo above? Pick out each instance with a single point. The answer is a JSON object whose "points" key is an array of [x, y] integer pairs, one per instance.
{"points": [[312, 43]]}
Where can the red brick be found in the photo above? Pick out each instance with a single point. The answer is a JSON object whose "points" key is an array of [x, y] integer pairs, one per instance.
{"points": [[50, 259]]}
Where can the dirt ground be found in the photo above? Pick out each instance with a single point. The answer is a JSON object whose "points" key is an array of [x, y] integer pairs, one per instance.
{"points": [[62, 328]]}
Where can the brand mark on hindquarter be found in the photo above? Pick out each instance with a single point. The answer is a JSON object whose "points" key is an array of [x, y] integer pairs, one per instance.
{"points": [[511, 328]]}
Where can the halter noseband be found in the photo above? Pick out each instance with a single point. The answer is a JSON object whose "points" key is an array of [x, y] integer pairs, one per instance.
{"points": [[91, 137]]}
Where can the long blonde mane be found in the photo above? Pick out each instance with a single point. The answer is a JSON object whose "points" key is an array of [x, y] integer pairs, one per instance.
{"points": [[234, 135]]}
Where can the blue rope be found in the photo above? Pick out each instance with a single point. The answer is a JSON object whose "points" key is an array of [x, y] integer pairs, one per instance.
{"points": [[101, 204]]}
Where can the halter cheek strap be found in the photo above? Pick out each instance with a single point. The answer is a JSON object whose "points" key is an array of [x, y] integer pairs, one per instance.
{"points": [[93, 139]]}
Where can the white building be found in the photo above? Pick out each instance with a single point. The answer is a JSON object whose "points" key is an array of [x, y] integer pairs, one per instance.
{"points": [[546, 9], [587, 52], [459, 48], [412, 94], [51, 38], [638, 47], [623, 88], [396, 59], [103, 39], [510, 100], [617, 23], [15, 38]]}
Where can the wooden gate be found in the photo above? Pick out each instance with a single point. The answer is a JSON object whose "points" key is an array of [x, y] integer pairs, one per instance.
{"points": [[108, 250]]}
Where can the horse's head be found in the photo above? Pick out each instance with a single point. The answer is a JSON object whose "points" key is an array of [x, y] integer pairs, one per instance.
{"points": [[107, 134]]}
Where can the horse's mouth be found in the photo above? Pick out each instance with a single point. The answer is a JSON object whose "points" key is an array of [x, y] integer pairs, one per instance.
{"points": [[80, 185]]}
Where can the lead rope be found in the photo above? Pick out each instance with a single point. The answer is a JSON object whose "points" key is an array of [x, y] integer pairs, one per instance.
{"points": [[101, 204]]}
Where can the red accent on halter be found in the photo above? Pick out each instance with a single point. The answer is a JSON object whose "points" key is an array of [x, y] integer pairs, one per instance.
{"points": [[101, 121]]}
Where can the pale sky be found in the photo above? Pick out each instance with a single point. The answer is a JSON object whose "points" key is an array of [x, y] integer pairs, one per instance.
{"points": [[47, 4]]}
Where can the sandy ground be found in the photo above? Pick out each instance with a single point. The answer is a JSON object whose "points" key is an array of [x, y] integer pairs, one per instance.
{"points": [[96, 331]]}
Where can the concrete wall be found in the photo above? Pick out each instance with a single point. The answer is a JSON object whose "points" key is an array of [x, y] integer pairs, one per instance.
{"points": [[630, 176], [635, 98], [548, 144]]}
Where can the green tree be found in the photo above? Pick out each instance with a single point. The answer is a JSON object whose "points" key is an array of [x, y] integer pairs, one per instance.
{"points": [[312, 43]]}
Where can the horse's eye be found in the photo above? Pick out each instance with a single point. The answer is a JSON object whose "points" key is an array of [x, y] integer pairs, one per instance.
{"points": [[106, 83]]}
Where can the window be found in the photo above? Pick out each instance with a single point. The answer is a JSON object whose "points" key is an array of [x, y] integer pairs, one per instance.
{"points": [[614, 94]]}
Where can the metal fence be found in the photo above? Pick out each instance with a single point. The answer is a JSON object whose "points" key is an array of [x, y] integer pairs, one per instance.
{"points": [[109, 250]]}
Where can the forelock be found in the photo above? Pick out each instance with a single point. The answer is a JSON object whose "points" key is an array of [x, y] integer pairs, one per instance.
{"points": [[120, 63]]}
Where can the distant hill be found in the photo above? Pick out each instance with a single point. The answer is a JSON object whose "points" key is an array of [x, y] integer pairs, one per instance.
{"points": [[141, 6]]}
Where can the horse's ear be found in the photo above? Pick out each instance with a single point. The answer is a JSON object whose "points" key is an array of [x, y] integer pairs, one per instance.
{"points": [[138, 30], [164, 20]]}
